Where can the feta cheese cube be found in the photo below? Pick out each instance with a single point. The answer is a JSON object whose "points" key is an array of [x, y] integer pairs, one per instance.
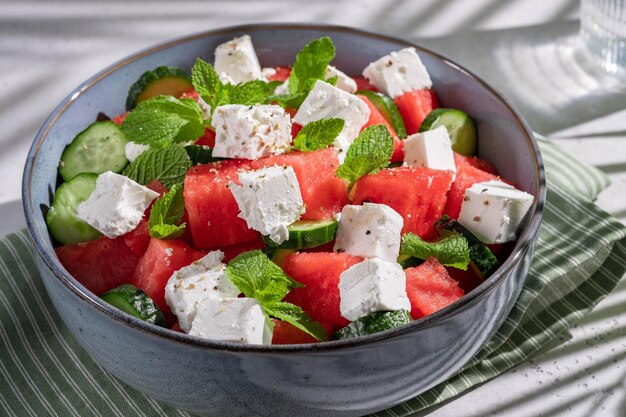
{"points": [[430, 149], [397, 73], [494, 210], [282, 89], [133, 150], [237, 60], [239, 320], [344, 82], [202, 279], [371, 230], [325, 102], [268, 72], [370, 286], [116, 205], [269, 200], [251, 132]]}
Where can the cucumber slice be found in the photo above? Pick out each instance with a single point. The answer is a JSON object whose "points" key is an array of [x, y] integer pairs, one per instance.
{"points": [[407, 261], [62, 221], [482, 260], [460, 126], [373, 323], [306, 234], [97, 149], [135, 302], [168, 81], [388, 109]]}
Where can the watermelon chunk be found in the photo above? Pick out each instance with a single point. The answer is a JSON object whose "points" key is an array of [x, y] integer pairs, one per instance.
{"points": [[430, 288], [233, 250], [476, 162], [319, 272], [414, 106], [466, 280], [282, 73], [376, 118], [119, 118], [138, 238], [208, 139], [211, 207], [287, 334], [363, 84], [323, 193], [156, 266], [466, 176], [101, 264], [417, 194]]}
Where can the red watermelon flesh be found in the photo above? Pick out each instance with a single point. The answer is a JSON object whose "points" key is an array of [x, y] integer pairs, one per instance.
{"points": [[417, 194], [376, 118], [208, 139], [466, 280], [414, 106], [233, 250], [319, 272], [156, 266], [475, 162], [466, 176], [119, 118], [211, 207], [138, 238], [287, 334], [101, 264], [430, 288], [282, 73], [362, 83]]}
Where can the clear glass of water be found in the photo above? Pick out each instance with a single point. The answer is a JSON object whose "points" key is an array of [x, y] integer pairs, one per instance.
{"points": [[603, 32]]}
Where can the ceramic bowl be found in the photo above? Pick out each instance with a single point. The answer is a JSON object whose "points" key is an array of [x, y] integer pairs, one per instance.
{"points": [[338, 378]]}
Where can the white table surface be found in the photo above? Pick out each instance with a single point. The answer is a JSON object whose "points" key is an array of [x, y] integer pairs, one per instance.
{"points": [[525, 48]]}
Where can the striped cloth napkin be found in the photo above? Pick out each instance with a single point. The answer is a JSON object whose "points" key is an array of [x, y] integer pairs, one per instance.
{"points": [[580, 258]]}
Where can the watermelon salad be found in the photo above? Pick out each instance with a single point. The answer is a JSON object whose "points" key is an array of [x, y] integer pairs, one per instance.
{"points": [[283, 205]]}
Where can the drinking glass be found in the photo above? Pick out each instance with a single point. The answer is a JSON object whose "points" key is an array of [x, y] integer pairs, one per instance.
{"points": [[603, 33]]}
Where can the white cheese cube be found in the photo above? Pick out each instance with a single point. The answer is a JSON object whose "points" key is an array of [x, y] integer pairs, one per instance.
{"points": [[251, 132], [397, 73], [202, 279], [282, 89], [269, 200], [430, 149], [370, 286], [371, 230], [116, 205], [237, 60], [239, 320], [268, 72], [325, 102], [344, 82], [494, 210], [133, 150]]}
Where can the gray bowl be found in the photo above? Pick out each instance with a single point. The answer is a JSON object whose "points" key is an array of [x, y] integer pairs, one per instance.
{"points": [[339, 378]]}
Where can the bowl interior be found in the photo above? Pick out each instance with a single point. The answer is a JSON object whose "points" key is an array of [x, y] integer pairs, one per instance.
{"points": [[504, 139]]}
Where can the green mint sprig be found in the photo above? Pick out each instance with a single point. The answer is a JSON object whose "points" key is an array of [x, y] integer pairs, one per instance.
{"points": [[163, 120], [255, 275], [166, 214], [368, 154], [452, 250], [167, 165], [215, 93], [318, 134], [309, 66]]}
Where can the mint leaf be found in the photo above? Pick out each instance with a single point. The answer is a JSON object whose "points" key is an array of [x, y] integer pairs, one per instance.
{"points": [[369, 153], [297, 317], [167, 165], [318, 134], [292, 101], [166, 214], [258, 277], [453, 250], [310, 64], [200, 154], [163, 120], [206, 82], [248, 93]]}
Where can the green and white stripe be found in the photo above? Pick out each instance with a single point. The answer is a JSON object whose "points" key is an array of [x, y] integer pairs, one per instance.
{"points": [[580, 257]]}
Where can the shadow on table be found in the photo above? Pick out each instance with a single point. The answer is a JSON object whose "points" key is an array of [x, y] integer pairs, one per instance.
{"points": [[542, 69], [592, 391]]}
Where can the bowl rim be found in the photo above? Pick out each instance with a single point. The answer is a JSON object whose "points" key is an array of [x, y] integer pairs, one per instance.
{"points": [[523, 244]]}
